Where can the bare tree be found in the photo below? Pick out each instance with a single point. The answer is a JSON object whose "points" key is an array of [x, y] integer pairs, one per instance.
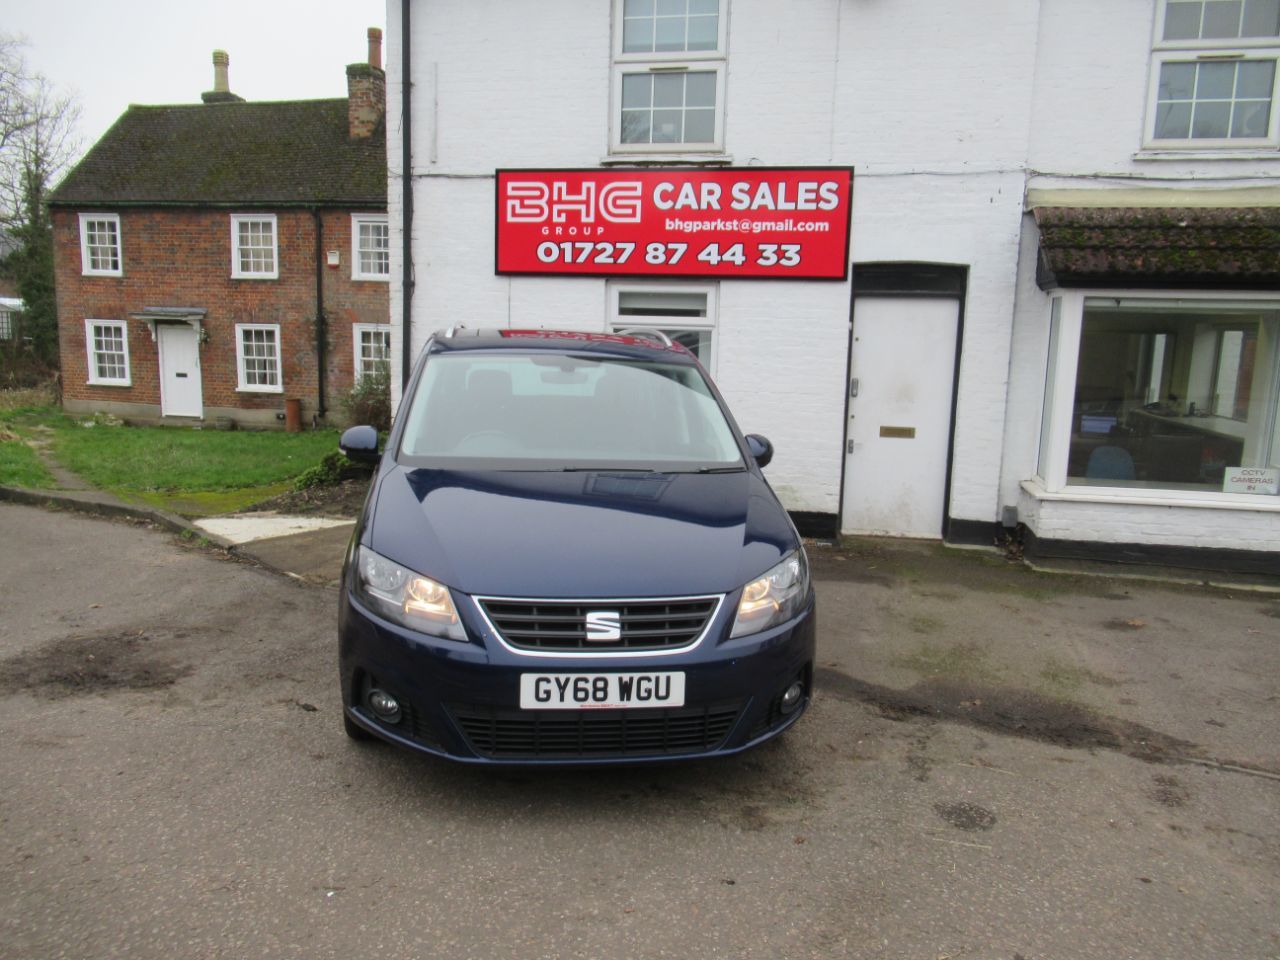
{"points": [[38, 136], [38, 141]]}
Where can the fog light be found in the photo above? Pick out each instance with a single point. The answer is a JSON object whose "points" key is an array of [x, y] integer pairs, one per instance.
{"points": [[791, 698], [384, 706]]}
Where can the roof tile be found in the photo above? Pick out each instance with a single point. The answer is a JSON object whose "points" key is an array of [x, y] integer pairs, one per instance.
{"points": [[263, 154]]}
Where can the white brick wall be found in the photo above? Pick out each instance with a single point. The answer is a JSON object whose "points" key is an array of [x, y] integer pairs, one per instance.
{"points": [[947, 112], [1156, 524]]}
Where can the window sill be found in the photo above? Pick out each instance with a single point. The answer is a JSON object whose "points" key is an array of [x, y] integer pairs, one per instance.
{"points": [[373, 278], [1201, 153], [260, 390], [255, 276], [1127, 496], [638, 159], [102, 273], [108, 383]]}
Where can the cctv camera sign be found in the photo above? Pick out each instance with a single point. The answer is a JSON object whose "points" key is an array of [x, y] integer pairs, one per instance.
{"points": [[752, 222]]}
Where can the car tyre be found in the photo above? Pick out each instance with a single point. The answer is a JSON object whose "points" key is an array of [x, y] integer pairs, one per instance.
{"points": [[354, 730]]}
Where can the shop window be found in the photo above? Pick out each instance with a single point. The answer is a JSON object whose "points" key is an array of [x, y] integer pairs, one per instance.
{"points": [[107, 344], [668, 82], [258, 358], [372, 343], [1166, 395], [253, 247], [100, 245], [370, 247], [1214, 74], [685, 314]]}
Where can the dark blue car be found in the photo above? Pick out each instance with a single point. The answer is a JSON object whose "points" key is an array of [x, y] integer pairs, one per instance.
{"points": [[569, 555]]}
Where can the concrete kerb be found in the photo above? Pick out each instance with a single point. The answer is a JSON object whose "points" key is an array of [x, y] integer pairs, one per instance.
{"points": [[104, 505], [97, 504]]}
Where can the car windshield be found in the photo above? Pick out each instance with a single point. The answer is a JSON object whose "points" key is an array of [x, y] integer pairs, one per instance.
{"points": [[555, 412]]}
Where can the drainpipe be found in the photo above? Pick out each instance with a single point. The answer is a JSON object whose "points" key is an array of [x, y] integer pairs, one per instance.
{"points": [[322, 334], [406, 199]]}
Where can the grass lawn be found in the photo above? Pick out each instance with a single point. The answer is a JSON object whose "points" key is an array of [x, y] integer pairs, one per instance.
{"points": [[194, 472], [19, 465], [146, 459]]}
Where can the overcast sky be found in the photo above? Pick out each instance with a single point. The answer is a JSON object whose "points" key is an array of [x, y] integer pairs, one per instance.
{"points": [[160, 51]]}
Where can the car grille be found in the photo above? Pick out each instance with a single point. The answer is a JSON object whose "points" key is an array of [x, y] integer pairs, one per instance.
{"points": [[561, 625], [569, 734]]}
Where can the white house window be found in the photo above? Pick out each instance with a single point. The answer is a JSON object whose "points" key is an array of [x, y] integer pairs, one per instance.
{"points": [[372, 342], [253, 246], [258, 357], [100, 245], [107, 345], [668, 82], [683, 312], [1214, 74], [370, 247], [6, 324], [1161, 394]]}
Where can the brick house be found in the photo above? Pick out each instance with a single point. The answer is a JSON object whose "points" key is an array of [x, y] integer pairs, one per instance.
{"points": [[214, 260]]}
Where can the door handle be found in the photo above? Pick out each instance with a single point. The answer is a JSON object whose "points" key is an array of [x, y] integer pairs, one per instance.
{"points": [[853, 387]]}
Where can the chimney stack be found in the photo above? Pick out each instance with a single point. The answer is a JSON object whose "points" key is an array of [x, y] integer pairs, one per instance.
{"points": [[220, 63], [366, 91], [221, 92]]}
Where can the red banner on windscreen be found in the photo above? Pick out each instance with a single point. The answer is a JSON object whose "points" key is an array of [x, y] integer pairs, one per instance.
{"points": [[750, 222]]}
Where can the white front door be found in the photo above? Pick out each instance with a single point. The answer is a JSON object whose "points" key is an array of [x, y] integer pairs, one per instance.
{"points": [[902, 367], [180, 391]]}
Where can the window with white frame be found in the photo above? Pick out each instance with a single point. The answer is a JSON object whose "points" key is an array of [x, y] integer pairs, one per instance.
{"points": [[1160, 394], [685, 313], [258, 358], [668, 76], [6, 323], [370, 247], [107, 345], [253, 246], [372, 343], [100, 245], [1214, 74]]}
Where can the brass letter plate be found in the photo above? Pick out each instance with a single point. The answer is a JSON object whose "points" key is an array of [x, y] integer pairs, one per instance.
{"points": [[898, 433]]}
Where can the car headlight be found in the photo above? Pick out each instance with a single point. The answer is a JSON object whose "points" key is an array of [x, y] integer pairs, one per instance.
{"points": [[775, 597], [408, 598]]}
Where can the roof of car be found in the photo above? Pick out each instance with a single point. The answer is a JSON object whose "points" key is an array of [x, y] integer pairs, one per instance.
{"points": [[633, 345]]}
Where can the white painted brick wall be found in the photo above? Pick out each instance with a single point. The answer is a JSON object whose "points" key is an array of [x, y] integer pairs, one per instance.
{"points": [[1093, 63], [1155, 524], [946, 111]]}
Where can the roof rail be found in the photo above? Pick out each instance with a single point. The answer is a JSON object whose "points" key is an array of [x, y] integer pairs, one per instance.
{"points": [[648, 333], [453, 330]]}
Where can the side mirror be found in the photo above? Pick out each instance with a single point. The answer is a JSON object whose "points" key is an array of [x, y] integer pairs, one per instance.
{"points": [[360, 444], [761, 449]]}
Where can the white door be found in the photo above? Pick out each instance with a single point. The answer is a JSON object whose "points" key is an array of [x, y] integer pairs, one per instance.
{"points": [[902, 368], [180, 391]]}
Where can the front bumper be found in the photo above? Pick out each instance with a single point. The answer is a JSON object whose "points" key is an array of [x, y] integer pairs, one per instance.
{"points": [[462, 700]]}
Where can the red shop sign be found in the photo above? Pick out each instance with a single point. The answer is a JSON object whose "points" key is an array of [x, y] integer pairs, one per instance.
{"points": [[784, 223]]}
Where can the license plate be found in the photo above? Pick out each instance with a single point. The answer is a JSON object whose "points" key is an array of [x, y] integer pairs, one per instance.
{"points": [[600, 691]]}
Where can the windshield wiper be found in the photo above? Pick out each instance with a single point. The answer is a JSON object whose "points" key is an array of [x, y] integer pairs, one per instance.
{"points": [[610, 470]]}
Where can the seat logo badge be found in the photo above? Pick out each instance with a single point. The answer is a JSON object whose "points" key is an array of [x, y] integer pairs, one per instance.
{"points": [[604, 625]]}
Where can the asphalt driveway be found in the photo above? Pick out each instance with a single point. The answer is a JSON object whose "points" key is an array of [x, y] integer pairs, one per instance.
{"points": [[998, 764]]}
